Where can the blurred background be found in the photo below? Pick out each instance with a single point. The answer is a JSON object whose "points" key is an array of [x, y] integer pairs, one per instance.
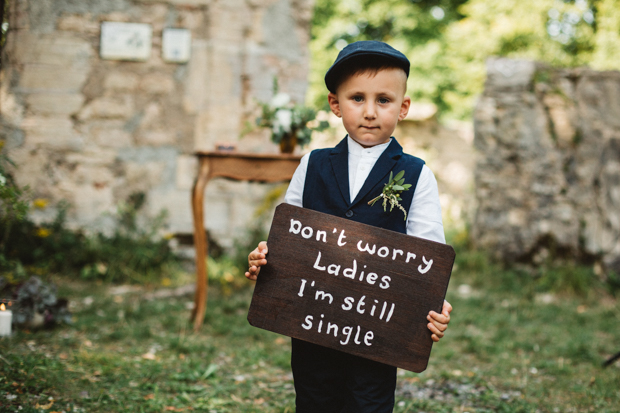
{"points": [[103, 105]]}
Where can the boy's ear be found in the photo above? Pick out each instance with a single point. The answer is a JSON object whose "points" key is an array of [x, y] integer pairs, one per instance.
{"points": [[404, 108], [334, 104]]}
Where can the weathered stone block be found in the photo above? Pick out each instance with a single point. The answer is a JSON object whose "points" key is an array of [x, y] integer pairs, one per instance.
{"points": [[194, 3], [116, 16], [92, 157], [157, 83], [58, 49], [510, 74], [121, 81], [156, 138], [121, 107], [54, 103], [233, 19], [192, 19], [90, 204], [177, 204], [32, 164], [52, 132], [196, 94], [146, 175], [280, 32], [187, 168], [81, 23], [111, 137], [13, 110], [40, 78], [151, 117], [99, 176]]}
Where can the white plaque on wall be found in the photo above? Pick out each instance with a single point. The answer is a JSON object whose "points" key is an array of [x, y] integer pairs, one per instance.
{"points": [[176, 45], [125, 41]]}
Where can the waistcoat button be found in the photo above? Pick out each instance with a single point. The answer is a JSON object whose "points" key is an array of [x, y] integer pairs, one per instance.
{"points": [[349, 214]]}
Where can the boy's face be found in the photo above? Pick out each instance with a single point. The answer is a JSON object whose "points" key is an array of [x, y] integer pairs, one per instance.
{"points": [[371, 105]]}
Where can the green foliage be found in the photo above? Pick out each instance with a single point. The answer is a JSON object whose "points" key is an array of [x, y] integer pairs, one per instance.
{"points": [[4, 26], [132, 253], [13, 202], [448, 41], [227, 273]]}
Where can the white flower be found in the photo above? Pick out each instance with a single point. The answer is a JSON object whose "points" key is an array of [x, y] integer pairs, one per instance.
{"points": [[2, 180], [280, 100], [284, 119]]}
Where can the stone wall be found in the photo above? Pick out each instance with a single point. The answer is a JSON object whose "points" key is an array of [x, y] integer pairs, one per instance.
{"points": [[93, 131], [548, 176]]}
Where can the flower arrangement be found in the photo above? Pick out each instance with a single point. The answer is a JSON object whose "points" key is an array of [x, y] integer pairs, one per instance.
{"points": [[288, 122], [391, 192]]}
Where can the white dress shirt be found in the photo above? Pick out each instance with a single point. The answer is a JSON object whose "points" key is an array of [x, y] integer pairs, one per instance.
{"points": [[424, 216]]}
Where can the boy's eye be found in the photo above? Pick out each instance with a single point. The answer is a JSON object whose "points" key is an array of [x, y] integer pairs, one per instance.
{"points": [[384, 100], [357, 98]]}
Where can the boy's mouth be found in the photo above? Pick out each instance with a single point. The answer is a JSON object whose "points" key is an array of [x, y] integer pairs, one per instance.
{"points": [[370, 127]]}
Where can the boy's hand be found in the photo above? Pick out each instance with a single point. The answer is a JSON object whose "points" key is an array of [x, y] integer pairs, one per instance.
{"points": [[256, 259], [439, 322]]}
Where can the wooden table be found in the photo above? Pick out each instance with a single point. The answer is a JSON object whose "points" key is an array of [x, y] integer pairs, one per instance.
{"points": [[239, 167]]}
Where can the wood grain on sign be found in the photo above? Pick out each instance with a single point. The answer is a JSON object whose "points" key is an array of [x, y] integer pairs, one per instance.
{"points": [[351, 287]]}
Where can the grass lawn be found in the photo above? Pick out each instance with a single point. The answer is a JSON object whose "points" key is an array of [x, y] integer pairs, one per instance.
{"points": [[507, 350]]}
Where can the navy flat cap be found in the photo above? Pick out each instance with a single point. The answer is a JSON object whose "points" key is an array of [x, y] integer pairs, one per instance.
{"points": [[369, 48]]}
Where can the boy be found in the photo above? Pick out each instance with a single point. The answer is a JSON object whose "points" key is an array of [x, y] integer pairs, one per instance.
{"points": [[367, 85]]}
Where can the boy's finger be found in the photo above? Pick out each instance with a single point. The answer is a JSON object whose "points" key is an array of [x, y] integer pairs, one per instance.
{"points": [[255, 255], [441, 326], [257, 263], [252, 272], [262, 247], [436, 332], [442, 318]]}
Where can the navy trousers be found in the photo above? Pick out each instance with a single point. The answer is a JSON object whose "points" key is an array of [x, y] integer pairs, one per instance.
{"points": [[330, 381]]}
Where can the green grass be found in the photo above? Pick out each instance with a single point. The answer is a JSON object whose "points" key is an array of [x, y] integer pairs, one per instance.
{"points": [[508, 349]]}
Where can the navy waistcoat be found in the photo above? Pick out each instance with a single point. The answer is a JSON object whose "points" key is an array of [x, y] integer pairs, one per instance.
{"points": [[327, 185]]}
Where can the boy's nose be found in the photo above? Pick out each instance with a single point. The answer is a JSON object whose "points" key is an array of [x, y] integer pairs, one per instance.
{"points": [[369, 111]]}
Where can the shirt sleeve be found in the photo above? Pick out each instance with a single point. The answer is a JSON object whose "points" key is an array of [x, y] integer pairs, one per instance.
{"points": [[424, 217], [295, 192]]}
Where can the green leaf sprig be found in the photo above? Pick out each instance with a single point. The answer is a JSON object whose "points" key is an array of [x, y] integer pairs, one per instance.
{"points": [[391, 192]]}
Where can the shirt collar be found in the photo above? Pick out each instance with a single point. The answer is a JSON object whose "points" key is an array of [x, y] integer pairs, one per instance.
{"points": [[374, 151]]}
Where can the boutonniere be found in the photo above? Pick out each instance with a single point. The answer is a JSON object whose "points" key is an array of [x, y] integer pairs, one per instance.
{"points": [[391, 192]]}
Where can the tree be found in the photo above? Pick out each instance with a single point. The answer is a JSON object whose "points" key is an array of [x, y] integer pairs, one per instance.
{"points": [[405, 24], [448, 41]]}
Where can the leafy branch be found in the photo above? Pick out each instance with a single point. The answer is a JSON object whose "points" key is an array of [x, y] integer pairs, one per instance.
{"points": [[391, 192]]}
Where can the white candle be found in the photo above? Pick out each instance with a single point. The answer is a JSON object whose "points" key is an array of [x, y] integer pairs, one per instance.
{"points": [[6, 317]]}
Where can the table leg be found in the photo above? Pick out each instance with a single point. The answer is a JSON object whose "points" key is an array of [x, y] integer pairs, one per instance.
{"points": [[201, 244]]}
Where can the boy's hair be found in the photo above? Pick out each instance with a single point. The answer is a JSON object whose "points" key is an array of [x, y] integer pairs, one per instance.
{"points": [[361, 57], [360, 65]]}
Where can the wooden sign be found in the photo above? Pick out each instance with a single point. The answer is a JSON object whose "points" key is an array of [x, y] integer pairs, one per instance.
{"points": [[351, 287]]}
